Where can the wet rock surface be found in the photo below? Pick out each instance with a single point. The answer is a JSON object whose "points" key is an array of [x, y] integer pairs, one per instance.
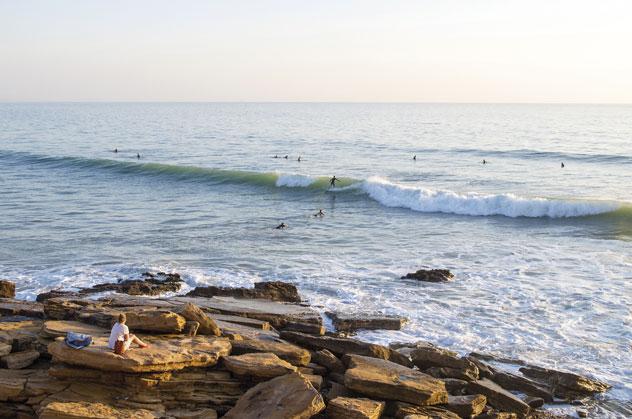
{"points": [[274, 291], [351, 322], [430, 275]]}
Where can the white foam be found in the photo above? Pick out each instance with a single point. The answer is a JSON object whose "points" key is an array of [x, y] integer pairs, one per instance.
{"points": [[294, 180], [429, 200]]}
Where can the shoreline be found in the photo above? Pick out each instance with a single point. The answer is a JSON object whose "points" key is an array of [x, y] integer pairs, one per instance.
{"points": [[262, 332]]}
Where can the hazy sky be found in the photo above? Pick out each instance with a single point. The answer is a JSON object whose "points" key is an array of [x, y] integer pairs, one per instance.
{"points": [[426, 51]]}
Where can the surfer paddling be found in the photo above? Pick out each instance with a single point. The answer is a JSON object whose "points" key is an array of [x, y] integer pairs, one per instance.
{"points": [[281, 226], [320, 213]]}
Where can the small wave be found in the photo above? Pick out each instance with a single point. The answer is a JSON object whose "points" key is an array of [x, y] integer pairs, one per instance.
{"points": [[295, 181]]}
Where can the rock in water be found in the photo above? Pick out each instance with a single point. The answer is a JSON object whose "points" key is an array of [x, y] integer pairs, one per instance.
{"points": [[272, 290], [430, 275], [258, 365], [389, 381], [7, 289], [350, 408], [352, 322], [287, 396], [565, 384]]}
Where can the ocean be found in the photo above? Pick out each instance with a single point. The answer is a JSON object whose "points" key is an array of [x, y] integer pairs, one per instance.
{"points": [[542, 255]]}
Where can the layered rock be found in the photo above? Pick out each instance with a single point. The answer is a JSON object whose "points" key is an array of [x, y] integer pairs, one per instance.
{"points": [[287, 396], [293, 354], [7, 289], [207, 326], [498, 397], [467, 406], [163, 355], [345, 322], [354, 408], [443, 363], [273, 290], [390, 381], [258, 365], [565, 384]]}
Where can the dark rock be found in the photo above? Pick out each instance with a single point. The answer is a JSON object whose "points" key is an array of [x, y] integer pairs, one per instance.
{"points": [[498, 397], [565, 384], [7, 289], [273, 290], [352, 322], [151, 284], [56, 293], [430, 275], [328, 360], [11, 307], [443, 363], [495, 358], [191, 328], [466, 406], [534, 402], [341, 346], [484, 370], [458, 373], [455, 386]]}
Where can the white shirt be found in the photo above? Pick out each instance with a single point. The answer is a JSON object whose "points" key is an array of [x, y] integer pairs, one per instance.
{"points": [[118, 333]]}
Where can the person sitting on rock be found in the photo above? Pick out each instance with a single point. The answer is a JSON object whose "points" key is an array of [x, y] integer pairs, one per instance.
{"points": [[120, 339]]}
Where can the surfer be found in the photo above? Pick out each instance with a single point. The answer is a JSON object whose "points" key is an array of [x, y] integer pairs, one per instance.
{"points": [[299, 159], [138, 156], [281, 226], [276, 157], [562, 165], [285, 156], [332, 181], [415, 157], [484, 161], [320, 213], [116, 150]]}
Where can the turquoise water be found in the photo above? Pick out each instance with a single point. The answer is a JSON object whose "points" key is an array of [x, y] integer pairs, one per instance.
{"points": [[542, 254]]}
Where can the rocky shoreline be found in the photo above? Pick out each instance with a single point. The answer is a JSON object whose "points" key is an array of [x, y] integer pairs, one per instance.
{"points": [[248, 353]]}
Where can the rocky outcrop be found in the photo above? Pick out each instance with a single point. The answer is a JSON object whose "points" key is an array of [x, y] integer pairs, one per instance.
{"points": [[163, 355], [430, 275], [7, 289], [524, 385], [273, 290], [386, 380], [341, 346], [356, 321], [565, 384], [52, 329], [498, 397], [328, 360], [81, 410], [287, 396], [10, 307], [19, 360], [352, 408], [258, 365], [401, 410], [207, 326]]}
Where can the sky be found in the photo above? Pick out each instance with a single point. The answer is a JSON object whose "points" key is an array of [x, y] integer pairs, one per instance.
{"points": [[489, 51]]}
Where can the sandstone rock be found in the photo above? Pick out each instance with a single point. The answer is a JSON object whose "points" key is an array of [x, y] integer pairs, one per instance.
{"points": [[446, 364], [454, 385], [466, 406], [243, 321], [192, 414], [352, 322], [194, 313], [7, 289], [309, 328], [293, 354], [328, 360], [386, 380], [498, 397], [484, 370], [19, 360], [59, 328], [274, 290], [315, 380], [522, 384], [337, 390], [43, 296], [402, 410], [497, 358], [162, 355], [10, 307], [151, 284], [341, 346], [80, 410], [191, 328], [287, 396], [258, 365], [5, 349], [316, 369], [430, 275], [350, 408], [495, 414], [159, 321], [565, 384]]}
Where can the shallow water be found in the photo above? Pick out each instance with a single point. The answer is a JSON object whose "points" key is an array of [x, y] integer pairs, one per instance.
{"points": [[542, 255]]}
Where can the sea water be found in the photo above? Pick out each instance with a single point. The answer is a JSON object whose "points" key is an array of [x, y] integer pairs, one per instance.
{"points": [[542, 254]]}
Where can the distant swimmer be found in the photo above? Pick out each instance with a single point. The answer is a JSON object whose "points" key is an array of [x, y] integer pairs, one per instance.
{"points": [[276, 157], [332, 181], [415, 157], [562, 165], [484, 161], [285, 156], [138, 156], [299, 159], [116, 150], [320, 213], [281, 226]]}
